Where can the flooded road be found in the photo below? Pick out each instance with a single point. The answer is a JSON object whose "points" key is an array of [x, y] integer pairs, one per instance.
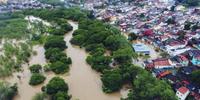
{"points": [[84, 83]]}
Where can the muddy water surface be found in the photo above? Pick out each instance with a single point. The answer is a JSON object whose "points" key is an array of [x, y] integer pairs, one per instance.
{"points": [[84, 83]]}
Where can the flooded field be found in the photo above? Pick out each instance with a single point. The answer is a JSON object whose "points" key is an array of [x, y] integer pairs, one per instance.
{"points": [[84, 83]]}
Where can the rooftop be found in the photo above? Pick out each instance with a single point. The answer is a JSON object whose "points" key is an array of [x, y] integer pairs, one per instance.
{"points": [[140, 47], [183, 90]]}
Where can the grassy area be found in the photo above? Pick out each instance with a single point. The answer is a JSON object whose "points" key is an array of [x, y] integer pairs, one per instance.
{"points": [[14, 56], [14, 28]]}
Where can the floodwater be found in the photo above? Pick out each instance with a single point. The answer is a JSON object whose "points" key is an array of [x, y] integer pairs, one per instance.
{"points": [[84, 83], [25, 91]]}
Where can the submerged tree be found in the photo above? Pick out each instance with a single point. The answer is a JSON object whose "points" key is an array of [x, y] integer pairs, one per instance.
{"points": [[7, 92]]}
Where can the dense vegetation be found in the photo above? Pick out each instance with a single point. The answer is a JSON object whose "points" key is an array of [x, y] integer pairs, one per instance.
{"points": [[98, 38], [57, 89], [13, 28], [146, 87], [56, 15], [7, 92]]}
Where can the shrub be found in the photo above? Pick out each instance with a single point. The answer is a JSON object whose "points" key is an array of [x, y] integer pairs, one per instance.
{"points": [[56, 85], [59, 67], [55, 42], [61, 96], [37, 79], [35, 68]]}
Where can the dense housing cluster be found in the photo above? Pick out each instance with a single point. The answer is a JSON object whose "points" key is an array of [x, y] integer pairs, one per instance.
{"points": [[172, 27]]}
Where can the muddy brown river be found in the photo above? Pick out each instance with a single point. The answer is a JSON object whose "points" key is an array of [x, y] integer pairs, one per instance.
{"points": [[84, 83]]}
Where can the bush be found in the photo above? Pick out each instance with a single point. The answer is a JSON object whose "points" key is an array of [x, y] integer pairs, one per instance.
{"points": [[37, 79], [56, 85], [112, 80], [40, 96], [67, 27], [35, 68], [59, 67], [99, 63], [61, 96], [55, 31], [55, 42], [7, 92], [47, 68], [66, 60], [54, 54]]}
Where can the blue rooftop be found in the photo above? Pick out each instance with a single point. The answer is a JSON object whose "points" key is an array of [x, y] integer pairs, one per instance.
{"points": [[141, 48]]}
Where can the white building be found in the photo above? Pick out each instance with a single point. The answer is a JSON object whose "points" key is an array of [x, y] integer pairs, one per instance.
{"points": [[182, 93], [168, 1]]}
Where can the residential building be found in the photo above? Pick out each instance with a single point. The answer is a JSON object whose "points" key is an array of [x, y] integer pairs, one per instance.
{"points": [[182, 93]]}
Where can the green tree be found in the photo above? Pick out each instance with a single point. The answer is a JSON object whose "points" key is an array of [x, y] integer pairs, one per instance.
{"points": [[99, 63], [40, 96], [112, 80], [171, 21], [132, 36], [59, 67], [129, 72], [7, 92], [54, 54], [195, 77], [61, 96], [187, 26], [55, 42], [123, 55], [113, 42], [56, 85], [37, 79], [146, 87], [35, 68]]}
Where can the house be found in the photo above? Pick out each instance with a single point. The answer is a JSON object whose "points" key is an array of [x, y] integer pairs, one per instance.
{"points": [[160, 64], [192, 53], [175, 44], [148, 32], [141, 48], [163, 74], [196, 60], [174, 52], [182, 93], [181, 60]]}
